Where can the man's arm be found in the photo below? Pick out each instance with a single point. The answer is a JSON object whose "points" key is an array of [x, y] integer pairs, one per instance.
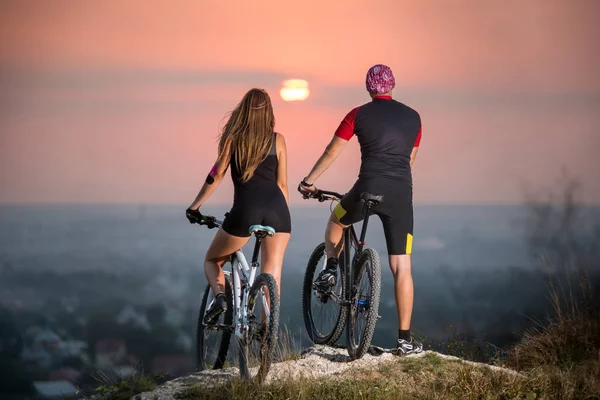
{"points": [[342, 135], [332, 151], [413, 154]]}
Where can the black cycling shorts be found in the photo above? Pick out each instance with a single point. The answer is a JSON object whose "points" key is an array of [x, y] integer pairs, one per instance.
{"points": [[395, 211], [261, 207]]}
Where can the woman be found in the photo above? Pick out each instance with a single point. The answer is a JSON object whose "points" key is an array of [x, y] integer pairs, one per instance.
{"points": [[258, 160]]}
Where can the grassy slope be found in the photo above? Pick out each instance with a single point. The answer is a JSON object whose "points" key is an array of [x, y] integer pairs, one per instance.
{"points": [[557, 360]]}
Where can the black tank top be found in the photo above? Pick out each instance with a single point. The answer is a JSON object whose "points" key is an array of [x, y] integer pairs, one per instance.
{"points": [[265, 174]]}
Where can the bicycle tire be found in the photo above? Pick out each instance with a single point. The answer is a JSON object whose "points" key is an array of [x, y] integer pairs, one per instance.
{"points": [[368, 259], [201, 362], [272, 328], [315, 334]]}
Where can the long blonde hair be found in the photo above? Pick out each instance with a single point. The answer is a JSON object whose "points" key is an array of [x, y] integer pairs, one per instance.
{"points": [[248, 132]]}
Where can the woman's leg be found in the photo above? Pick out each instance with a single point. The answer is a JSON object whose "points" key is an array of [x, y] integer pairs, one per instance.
{"points": [[222, 246], [272, 254]]}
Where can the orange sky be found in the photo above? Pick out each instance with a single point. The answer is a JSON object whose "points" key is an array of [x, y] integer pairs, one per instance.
{"points": [[120, 101]]}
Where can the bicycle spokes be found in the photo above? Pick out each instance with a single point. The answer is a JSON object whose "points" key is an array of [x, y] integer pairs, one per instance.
{"points": [[212, 340], [324, 315], [364, 306], [360, 303], [325, 308]]}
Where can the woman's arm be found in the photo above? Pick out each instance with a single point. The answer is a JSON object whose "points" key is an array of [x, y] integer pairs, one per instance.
{"points": [[332, 151], [282, 177], [213, 180]]}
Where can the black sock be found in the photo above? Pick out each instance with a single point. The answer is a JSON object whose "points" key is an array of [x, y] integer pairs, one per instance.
{"points": [[404, 334], [332, 263]]}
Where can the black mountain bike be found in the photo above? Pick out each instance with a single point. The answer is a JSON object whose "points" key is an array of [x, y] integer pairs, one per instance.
{"points": [[354, 298]]}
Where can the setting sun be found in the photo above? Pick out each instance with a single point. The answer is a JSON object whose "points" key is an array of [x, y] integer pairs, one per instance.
{"points": [[294, 90]]}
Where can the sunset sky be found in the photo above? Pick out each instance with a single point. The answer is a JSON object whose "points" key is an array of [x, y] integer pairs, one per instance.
{"points": [[121, 101]]}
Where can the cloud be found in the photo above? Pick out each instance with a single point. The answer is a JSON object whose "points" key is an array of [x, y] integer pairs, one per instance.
{"points": [[74, 78], [455, 98], [122, 90], [27, 90]]}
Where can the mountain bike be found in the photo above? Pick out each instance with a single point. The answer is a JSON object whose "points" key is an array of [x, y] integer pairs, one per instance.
{"points": [[349, 302], [251, 324]]}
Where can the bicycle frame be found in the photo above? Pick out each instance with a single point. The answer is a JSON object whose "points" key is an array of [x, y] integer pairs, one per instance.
{"points": [[349, 239], [243, 275]]}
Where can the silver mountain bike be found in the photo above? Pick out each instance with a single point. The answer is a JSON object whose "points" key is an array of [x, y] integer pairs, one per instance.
{"points": [[252, 314]]}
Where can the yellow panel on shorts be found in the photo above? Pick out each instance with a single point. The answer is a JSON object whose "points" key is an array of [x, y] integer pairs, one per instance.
{"points": [[339, 211], [409, 240]]}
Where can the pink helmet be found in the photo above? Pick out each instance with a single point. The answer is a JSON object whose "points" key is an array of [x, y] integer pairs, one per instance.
{"points": [[380, 79]]}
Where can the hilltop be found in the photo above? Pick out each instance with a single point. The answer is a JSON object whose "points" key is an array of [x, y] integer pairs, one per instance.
{"points": [[325, 372], [558, 360]]}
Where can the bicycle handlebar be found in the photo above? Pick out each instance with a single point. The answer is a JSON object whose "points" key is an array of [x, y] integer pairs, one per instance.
{"points": [[324, 195], [210, 221]]}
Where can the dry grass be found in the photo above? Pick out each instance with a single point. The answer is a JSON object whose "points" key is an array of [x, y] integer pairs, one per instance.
{"points": [[563, 357], [571, 336], [114, 387], [286, 348], [429, 377]]}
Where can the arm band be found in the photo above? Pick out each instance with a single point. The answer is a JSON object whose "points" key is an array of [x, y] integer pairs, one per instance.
{"points": [[209, 178]]}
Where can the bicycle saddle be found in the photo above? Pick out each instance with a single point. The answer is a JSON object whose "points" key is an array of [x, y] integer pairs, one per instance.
{"points": [[371, 197], [267, 230]]}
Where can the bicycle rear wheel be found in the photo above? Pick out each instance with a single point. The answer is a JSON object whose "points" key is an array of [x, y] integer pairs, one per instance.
{"points": [[364, 309], [324, 317], [260, 337], [212, 341]]}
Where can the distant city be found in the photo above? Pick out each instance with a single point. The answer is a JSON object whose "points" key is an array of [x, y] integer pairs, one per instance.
{"points": [[90, 294]]}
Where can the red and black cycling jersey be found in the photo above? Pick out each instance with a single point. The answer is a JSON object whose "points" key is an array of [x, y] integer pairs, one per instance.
{"points": [[387, 132]]}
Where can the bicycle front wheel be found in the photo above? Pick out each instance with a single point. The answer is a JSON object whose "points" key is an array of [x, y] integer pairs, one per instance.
{"points": [[212, 341], [324, 317], [364, 307], [260, 337]]}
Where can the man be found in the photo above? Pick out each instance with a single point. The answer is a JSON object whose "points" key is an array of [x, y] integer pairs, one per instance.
{"points": [[389, 134]]}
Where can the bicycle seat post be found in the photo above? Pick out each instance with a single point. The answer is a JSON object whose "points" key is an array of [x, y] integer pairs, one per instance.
{"points": [[259, 238], [363, 231]]}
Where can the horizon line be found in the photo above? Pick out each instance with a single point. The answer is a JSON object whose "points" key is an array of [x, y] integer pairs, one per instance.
{"points": [[293, 205]]}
